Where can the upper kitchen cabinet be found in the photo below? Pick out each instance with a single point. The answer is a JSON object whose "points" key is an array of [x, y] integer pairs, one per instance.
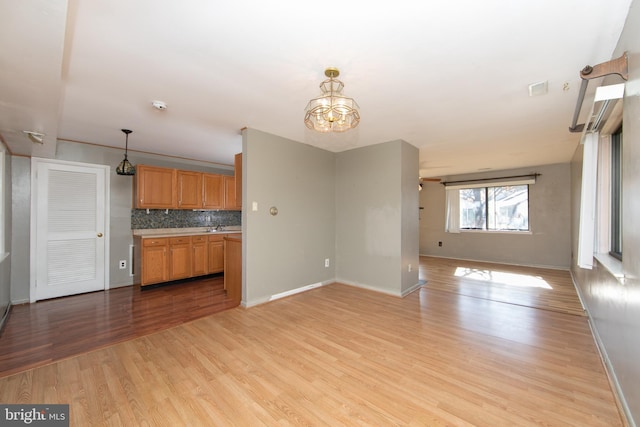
{"points": [[189, 189], [155, 188], [213, 191], [165, 188], [230, 193], [238, 174]]}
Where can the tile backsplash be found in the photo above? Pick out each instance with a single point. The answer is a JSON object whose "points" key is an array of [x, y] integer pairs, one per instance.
{"points": [[160, 218]]}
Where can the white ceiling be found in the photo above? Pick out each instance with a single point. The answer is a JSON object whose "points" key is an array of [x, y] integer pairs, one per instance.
{"points": [[449, 77]]}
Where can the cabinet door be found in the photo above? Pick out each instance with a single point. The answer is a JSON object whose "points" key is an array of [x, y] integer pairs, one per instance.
{"points": [[189, 190], [154, 262], [200, 259], [230, 193], [216, 255], [238, 175], [179, 258], [155, 187], [233, 268], [213, 191]]}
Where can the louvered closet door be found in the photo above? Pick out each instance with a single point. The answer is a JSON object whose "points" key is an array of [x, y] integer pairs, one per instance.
{"points": [[71, 229]]}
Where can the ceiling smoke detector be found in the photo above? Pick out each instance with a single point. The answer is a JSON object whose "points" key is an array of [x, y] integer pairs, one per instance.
{"points": [[159, 105]]}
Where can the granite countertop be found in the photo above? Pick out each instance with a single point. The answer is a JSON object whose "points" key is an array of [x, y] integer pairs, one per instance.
{"points": [[173, 232]]}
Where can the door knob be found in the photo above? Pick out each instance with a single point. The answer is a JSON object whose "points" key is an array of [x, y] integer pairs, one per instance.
{"points": [[99, 234]]}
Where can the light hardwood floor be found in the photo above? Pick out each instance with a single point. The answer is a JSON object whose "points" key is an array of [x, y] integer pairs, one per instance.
{"points": [[339, 355]]}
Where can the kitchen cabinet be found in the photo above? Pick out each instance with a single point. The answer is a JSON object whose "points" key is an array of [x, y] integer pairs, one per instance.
{"points": [[155, 188], [189, 189], [165, 188], [233, 267], [213, 191], [154, 261], [230, 193], [179, 257], [167, 258], [199, 249], [216, 253], [238, 174]]}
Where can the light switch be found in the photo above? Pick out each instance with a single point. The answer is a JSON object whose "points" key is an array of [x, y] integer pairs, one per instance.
{"points": [[254, 206]]}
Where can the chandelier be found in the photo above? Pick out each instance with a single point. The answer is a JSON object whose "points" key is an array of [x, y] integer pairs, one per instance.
{"points": [[332, 111]]}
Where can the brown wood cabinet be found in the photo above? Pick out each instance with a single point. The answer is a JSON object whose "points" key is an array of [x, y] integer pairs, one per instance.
{"points": [[179, 258], [233, 267], [216, 253], [199, 249], [165, 188], [213, 191], [155, 187], [230, 192], [154, 267], [164, 259], [189, 186], [238, 174]]}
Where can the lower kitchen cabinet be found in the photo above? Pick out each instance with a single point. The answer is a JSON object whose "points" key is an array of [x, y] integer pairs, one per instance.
{"points": [[154, 261], [179, 258], [199, 252], [216, 253], [165, 259]]}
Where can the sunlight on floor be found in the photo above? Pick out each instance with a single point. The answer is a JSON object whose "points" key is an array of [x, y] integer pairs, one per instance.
{"points": [[511, 279]]}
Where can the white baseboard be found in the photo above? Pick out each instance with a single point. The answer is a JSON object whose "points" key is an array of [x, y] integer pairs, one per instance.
{"points": [[262, 300]]}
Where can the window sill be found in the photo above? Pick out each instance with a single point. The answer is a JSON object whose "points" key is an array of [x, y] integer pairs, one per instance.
{"points": [[613, 265]]}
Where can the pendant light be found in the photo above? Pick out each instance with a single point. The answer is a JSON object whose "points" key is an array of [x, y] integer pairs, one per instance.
{"points": [[125, 167]]}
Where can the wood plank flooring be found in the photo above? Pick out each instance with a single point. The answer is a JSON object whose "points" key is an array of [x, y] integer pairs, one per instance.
{"points": [[339, 355], [542, 288], [51, 330]]}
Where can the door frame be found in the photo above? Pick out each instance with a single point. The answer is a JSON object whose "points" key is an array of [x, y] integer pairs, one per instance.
{"points": [[34, 218]]}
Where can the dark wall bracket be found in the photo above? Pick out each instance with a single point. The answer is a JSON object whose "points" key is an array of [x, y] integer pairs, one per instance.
{"points": [[617, 66]]}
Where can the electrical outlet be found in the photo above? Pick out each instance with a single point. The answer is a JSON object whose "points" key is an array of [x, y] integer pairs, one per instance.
{"points": [[123, 264], [326, 262], [439, 243]]}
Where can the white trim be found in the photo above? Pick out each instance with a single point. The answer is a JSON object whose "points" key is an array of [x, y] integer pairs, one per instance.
{"points": [[274, 297], [613, 265], [587, 226]]}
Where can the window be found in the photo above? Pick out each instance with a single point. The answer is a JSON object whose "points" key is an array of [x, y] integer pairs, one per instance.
{"points": [[500, 208], [616, 194]]}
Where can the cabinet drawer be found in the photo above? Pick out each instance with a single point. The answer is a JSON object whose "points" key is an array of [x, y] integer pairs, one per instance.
{"points": [[198, 239], [154, 242], [180, 240]]}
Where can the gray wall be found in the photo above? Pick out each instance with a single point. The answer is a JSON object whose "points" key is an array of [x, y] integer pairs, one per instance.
{"points": [[287, 251], [376, 224], [548, 244], [357, 208], [121, 203], [614, 306]]}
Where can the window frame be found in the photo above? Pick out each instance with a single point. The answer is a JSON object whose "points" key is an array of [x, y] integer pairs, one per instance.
{"points": [[615, 236], [487, 217]]}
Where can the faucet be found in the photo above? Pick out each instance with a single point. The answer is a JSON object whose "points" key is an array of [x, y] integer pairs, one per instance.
{"points": [[219, 227]]}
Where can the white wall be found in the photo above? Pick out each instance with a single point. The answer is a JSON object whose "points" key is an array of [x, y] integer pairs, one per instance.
{"points": [[614, 306], [548, 244]]}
